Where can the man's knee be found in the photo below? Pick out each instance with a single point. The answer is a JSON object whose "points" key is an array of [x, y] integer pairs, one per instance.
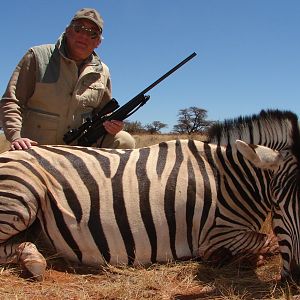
{"points": [[122, 140]]}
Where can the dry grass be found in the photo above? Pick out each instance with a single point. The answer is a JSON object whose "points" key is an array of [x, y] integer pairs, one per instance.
{"points": [[181, 280], [4, 144], [143, 140]]}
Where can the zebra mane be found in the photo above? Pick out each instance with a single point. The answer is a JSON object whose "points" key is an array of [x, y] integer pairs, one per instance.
{"points": [[272, 128]]}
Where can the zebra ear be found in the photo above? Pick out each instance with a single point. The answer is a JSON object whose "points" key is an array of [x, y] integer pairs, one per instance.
{"points": [[261, 156]]}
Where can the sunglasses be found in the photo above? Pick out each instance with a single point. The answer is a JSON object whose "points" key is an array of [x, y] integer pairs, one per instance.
{"points": [[92, 33]]}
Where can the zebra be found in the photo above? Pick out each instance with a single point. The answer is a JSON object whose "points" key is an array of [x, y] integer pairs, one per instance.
{"points": [[175, 200]]}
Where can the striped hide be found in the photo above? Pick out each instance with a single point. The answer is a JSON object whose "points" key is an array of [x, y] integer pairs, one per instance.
{"points": [[174, 200]]}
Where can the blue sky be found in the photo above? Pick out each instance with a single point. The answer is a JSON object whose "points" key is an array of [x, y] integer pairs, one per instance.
{"points": [[248, 51]]}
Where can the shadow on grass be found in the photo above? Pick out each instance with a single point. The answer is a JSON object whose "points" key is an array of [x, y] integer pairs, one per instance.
{"points": [[237, 282]]}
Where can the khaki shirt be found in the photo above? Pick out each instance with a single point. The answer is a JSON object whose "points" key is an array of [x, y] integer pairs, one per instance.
{"points": [[47, 95]]}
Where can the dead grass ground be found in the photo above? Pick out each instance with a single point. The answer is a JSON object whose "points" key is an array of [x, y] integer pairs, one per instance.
{"points": [[181, 280], [143, 140], [4, 144]]}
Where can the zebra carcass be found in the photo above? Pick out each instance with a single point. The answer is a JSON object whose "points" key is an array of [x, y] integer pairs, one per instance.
{"points": [[174, 200]]}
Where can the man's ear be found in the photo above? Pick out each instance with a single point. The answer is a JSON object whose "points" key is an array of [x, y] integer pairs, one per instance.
{"points": [[99, 42], [67, 30], [261, 156]]}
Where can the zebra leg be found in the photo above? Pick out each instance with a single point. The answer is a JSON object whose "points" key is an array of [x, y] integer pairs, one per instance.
{"points": [[266, 246], [27, 256], [269, 248], [246, 246], [18, 211], [31, 260]]}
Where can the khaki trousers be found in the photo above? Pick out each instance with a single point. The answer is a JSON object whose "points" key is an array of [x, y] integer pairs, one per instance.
{"points": [[122, 140]]}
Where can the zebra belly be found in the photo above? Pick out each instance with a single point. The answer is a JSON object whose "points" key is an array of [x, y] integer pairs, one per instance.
{"points": [[131, 208], [137, 249], [138, 245]]}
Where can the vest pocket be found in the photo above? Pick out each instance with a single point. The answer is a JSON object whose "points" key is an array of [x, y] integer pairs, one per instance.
{"points": [[41, 127], [91, 95]]}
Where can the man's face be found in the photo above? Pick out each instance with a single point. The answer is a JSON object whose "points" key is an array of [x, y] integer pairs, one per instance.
{"points": [[83, 37]]}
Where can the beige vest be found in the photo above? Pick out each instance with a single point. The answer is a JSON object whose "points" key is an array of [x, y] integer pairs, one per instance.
{"points": [[61, 99]]}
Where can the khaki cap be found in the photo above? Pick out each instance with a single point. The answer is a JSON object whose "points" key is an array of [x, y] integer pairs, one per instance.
{"points": [[90, 14]]}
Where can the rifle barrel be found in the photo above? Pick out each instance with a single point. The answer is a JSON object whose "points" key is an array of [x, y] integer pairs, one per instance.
{"points": [[168, 73], [90, 131]]}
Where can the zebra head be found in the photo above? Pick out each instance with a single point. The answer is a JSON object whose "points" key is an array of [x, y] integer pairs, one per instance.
{"points": [[284, 187], [270, 141]]}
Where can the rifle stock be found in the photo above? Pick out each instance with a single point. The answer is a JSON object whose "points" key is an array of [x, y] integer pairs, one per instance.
{"points": [[90, 131], [97, 129]]}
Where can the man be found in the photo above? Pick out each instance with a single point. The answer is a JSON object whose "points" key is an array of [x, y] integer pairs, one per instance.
{"points": [[55, 87]]}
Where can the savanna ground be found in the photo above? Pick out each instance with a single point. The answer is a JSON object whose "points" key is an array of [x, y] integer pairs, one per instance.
{"points": [[180, 280]]}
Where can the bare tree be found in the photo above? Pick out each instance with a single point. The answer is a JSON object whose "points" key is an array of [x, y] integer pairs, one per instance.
{"points": [[192, 120], [133, 127], [155, 127]]}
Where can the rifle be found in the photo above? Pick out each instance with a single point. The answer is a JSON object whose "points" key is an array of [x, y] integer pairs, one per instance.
{"points": [[92, 129]]}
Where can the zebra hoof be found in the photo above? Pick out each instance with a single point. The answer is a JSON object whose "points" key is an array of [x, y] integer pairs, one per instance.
{"points": [[32, 261]]}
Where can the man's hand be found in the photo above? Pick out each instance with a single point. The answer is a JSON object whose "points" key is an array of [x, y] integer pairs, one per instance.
{"points": [[22, 144], [113, 126]]}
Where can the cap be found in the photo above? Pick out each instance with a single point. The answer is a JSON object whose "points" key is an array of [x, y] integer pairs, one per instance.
{"points": [[90, 14]]}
